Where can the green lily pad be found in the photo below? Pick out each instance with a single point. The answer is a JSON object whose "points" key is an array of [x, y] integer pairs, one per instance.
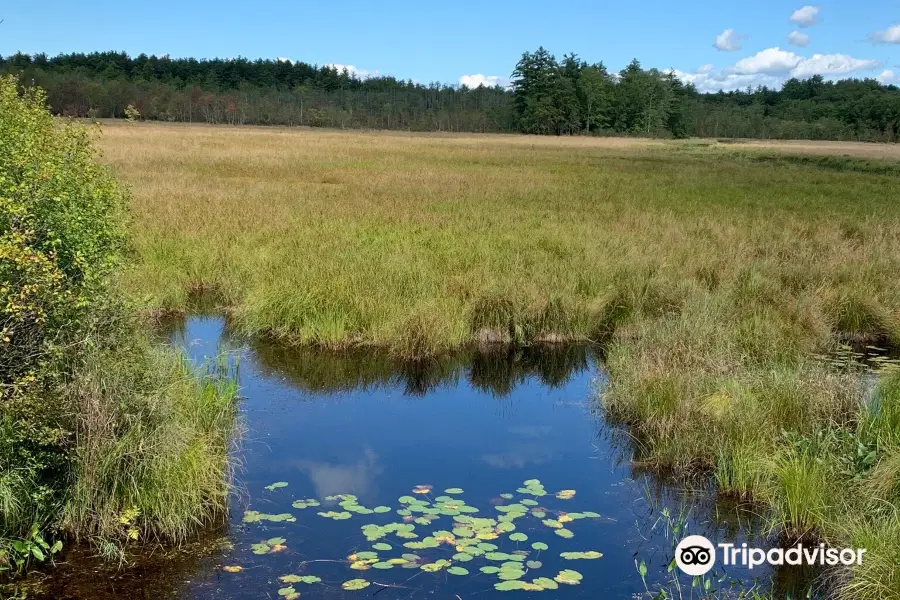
{"points": [[506, 527], [252, 516], [382, 547], [381, 509], [552, 523], [591, 515], [507, 586], [366, 555], [462, 557], [276, 541], [453, 491], [310, 579], [509, 574], [569, 577], [355, 584], [489, 570], [506, 496], [290, 579], [534, 564], [538, 514], [260, 548], [518, 537], [288, 592], [539, 546], [278, 484], [487, 547], [305, 503], [590, 555], [564, 533], [546, 583], [458, 571], [528, 502], [383, 565]]}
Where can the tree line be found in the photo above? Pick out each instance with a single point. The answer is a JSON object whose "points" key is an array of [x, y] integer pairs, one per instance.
{"points": [[547, 95]]}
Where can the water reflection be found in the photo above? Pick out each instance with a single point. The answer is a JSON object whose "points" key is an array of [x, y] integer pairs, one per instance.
{"points": [[485, 420]]}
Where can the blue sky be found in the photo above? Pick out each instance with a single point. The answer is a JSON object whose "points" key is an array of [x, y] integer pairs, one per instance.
{"points": [[482, 40]]}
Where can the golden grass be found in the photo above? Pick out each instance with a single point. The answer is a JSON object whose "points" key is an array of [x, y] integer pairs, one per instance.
{"points": [[408, 241]]}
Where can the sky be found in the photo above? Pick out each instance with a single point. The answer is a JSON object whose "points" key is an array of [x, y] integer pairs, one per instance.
{"points": [[714, 44]]}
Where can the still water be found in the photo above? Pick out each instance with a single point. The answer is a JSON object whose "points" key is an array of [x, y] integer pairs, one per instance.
{"points": [[371, 432]]}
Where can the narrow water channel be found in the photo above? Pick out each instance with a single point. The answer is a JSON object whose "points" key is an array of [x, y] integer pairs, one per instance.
{"points": [[483, 435]]}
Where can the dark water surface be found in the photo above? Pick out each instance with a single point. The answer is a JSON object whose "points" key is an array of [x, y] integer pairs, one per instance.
{"points": [[364, 425]]}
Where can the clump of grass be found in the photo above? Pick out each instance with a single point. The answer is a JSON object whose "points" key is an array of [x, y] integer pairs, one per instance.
{"points": [[858, 317], [152, 458], [878, 577], [801, 496]]}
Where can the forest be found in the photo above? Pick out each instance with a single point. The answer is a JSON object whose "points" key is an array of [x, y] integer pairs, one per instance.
{"points": [[547, 95]]}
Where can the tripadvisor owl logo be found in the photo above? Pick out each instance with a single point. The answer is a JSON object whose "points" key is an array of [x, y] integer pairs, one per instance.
{"points": [[695, 555]]}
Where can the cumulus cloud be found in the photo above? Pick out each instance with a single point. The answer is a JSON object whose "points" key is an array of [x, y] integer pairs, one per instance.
{"points": [[891, 35], [473, 81], [704, 69], [806, 16], [359, 73], [771, 67], [795, 38], [770, 60], [729, 41], [831, 64], [888, 77]]}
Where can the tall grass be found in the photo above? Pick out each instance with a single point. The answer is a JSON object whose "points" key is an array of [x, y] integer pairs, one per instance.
{"points": [[712, 275]]}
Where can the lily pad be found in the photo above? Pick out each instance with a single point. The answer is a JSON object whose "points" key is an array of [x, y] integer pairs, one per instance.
{"points": [[381, 509], [591, 515], [546, 583], [564, 533], [232, 568], [276, 541], [539, 546], [506, 496], [590, 555], [518, 537], [366, 555], [489, 570], [382, 547], [462, 557], [453, 491], [458, 571], [565, 494], [534, 564], [552, 523], [383, 565], [507, 586], [252, 516], [355, 584], [569, 577], [277, 485], [288, 592]]}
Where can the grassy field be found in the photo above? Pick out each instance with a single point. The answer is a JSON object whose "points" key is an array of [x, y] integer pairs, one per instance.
{"points": [[714, 273]]}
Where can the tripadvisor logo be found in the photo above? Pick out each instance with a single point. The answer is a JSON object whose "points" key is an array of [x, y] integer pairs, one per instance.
{"points": [[695, 555]]}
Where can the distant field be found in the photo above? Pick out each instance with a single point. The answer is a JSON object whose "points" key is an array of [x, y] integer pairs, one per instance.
{"points": [[334, 237], [721, 278]]}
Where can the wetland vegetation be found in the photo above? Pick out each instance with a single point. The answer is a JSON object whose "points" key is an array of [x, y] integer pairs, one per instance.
{"points": [[742, 297]]}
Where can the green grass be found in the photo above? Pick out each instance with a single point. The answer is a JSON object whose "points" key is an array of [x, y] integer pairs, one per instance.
{"points": [[714, 275]]}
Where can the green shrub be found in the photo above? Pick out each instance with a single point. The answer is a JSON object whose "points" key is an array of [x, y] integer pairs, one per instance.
{"points": [[102, 436]]}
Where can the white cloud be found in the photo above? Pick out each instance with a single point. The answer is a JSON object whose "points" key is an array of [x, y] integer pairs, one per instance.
{"points": [[771, 67], [704, 69], [806, 16], [795, 38], [282, 59], [359, 73], [891, 35], [729, 41], [831, 64], [473, 81], [888, 77], [770, 60]]}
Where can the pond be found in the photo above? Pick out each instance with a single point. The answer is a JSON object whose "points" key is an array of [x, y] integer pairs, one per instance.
{"points": [[506, 452]]}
